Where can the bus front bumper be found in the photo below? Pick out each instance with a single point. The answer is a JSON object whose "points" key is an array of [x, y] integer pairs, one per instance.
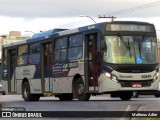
{"points": [[107, 85]]}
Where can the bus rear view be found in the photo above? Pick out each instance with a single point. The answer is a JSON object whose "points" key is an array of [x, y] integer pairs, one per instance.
{"points": [[129, 60]]}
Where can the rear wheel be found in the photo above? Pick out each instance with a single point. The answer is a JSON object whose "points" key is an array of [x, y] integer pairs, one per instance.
{"points": [[157, 95], [126, 95], [80, 90], [135, 94], [26, 94], [4, 93]]}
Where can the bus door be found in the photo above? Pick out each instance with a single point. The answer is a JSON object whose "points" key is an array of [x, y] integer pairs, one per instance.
{"points": [[11, 70], [92, 61], [46, 67]]}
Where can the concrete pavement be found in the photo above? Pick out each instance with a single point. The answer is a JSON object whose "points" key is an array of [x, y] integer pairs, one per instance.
{"points": [[150, 107]]}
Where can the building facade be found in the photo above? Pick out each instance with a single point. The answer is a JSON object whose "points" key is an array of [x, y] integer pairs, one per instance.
{"points": [[14, 36]]}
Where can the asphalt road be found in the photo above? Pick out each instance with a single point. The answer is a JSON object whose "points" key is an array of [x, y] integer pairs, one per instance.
{"points": [[96, 103]]}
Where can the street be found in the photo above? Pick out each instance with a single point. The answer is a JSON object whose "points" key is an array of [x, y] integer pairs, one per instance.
{"points": [[96, 103]]}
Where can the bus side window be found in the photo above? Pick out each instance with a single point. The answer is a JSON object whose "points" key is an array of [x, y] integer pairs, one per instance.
{"points": [[22, 55], [34, 53]]}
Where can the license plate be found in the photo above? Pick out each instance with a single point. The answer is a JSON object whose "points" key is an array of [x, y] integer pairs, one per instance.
{"points": [[136, 85]]}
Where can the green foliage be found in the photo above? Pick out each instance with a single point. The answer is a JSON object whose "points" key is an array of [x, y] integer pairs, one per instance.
{"points": [[147, 119]]}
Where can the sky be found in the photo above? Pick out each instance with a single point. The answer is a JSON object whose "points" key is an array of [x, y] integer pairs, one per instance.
{"points": [[32, 16]]}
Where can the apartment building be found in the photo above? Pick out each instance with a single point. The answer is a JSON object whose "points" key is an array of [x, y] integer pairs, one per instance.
{"points": [[14, 36]]}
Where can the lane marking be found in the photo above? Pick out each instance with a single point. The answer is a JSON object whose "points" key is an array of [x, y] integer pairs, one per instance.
{"points": [[127, 109]]}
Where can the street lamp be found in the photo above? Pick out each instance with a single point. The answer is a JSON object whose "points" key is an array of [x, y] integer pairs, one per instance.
{"points": [[29, 31], [88, 17], [29, 35]]}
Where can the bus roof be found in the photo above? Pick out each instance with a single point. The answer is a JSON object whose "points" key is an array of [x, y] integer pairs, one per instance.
{"points": [[36, 35], [60, 32], [54, 33]]}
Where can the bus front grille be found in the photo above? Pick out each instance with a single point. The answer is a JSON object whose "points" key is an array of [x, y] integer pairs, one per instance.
{"points": [[144, 83]]}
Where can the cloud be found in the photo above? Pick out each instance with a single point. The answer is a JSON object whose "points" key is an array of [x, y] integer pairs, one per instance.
{"points": [[72, 8], [36, 15]]}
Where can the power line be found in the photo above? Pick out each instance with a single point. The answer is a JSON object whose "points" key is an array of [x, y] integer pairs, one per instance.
{"points": [[140, 7], [123, 11], [74, 24]]}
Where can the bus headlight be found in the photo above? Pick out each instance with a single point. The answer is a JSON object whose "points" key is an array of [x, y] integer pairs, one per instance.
{"points": [[108, 75], [156, 76], [112, 77]]}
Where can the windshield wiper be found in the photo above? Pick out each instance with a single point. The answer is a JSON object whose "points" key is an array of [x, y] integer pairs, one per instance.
{"points": [[125, 43], [140, 44], [122, 40]]}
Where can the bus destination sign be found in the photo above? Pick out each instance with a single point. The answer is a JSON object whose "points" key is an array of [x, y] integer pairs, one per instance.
{"points": [[128, 27]]}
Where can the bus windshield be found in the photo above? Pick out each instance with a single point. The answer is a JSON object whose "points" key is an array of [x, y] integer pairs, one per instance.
{"points": [[130, 50]]}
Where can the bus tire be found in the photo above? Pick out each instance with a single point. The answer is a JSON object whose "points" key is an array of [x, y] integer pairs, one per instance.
{"points": [[36, 97], [66, 97], [135, 94], [125, 95], [4, 93], [26, 94], [80, 91], [157, 95]]}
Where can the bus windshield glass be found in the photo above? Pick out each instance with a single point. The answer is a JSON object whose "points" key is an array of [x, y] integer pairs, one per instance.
{"points": [[130, 50]]}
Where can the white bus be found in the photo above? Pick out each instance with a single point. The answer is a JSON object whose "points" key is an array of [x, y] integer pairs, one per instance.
{"points": [[114, 58]]}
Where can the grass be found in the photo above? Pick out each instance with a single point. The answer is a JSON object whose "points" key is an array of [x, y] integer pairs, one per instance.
{"points": [[148, 119]]}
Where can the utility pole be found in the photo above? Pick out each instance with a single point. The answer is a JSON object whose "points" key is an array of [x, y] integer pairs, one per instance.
{"points": [[112, 17]]}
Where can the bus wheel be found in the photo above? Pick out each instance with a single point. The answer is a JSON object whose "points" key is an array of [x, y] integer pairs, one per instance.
{"points": [[36, 97], [135, 94], [126, 95], [3, 93], [27, 96], [66, 97], [80, 91], [157, 95]]}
